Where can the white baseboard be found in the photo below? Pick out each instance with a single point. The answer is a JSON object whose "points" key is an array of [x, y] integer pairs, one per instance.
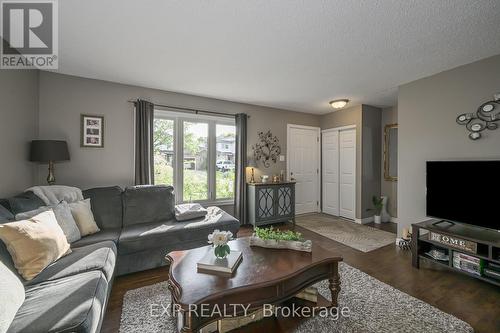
{"points": [[364, 220]]}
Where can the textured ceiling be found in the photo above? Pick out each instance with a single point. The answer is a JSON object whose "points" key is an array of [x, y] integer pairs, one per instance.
{"points": [[289, 54]]}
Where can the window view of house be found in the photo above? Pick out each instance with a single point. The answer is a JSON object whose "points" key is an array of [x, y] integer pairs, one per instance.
{"points": [[201, 167], [225, 151]]}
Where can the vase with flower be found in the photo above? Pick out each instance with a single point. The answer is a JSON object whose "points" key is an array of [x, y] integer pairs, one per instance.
{"points": [[219, 240]]}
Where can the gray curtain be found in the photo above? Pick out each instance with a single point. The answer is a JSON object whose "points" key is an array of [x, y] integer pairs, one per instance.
{"points": [[240, 193], [144, 159]]}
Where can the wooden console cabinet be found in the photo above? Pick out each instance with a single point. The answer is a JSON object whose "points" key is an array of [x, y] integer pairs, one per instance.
{"points": [[270, 203], [487, 245]]}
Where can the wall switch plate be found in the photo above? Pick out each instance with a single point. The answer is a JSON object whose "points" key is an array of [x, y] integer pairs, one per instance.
{"points": [[282, 158]]}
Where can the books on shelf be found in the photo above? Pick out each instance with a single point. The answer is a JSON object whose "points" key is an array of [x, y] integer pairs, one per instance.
{"points": [[211, 264], [468, 263]]}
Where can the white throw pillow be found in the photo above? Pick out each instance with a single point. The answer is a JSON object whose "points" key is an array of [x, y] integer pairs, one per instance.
{"points": [[35, 243], [82, 213], [63, 216], [12, 291]]}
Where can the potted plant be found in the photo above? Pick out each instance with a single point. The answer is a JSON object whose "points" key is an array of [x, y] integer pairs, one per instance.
{"points": [[276, 239], [378, 205]]}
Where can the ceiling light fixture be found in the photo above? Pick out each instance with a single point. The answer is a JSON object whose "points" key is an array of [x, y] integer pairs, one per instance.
{"points": [[339, 103]]}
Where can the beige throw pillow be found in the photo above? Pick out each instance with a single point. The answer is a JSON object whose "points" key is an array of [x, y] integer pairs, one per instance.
{"points": [[34, 243], [82, 213]]}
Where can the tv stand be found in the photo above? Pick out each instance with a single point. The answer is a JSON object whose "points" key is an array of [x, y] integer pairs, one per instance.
{"points": [[486, 241], [444, 221]]}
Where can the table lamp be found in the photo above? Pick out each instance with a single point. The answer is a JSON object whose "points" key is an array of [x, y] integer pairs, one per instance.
{"points": [[49, 151], [252, 164]]}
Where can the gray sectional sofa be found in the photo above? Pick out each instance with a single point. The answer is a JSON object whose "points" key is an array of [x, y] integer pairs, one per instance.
{"points": [[137, 230]]}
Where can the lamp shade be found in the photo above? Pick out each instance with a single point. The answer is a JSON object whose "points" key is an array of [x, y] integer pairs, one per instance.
{"points": [[49, 151]]}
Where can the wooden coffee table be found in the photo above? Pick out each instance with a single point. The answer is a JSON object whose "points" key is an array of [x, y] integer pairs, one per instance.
{"points": [[265, 276]]}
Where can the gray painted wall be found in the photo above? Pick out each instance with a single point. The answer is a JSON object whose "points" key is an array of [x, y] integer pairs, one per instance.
{"points": [[63, 98], [389, 188], [371, 157], [427, 110], [18, 109]]}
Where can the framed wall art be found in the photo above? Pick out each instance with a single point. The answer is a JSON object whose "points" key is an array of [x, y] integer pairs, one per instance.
{"points": [[92, 131]]}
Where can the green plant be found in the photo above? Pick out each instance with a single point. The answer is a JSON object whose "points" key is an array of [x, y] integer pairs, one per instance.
{"points": [[378, 205], [222, 251], [270, 233]]}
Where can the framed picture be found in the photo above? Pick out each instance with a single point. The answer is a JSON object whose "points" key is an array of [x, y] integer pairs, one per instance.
{"points": [[92, 131]]}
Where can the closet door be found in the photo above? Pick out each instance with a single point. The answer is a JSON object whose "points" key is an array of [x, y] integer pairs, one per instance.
{"points": [[330, 167], [347, 173]]}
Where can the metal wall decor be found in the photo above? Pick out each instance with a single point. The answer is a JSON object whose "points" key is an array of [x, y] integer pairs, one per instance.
{"points": [[267, 149], [485, 117]]}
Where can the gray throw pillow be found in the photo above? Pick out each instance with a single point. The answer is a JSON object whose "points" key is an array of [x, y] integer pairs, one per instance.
{"points": [[5, 215], [64, 218], [12, 291], [25, 202]]}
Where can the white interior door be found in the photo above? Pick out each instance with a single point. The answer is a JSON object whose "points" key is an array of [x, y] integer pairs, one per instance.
{"points": [[303, 165], [330, 170], [347, 173]]}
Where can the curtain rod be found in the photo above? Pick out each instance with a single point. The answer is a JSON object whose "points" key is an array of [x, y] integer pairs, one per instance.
{"points": [[190, 110]]}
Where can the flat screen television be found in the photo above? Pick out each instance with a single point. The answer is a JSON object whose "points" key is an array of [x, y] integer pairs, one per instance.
{"points": [[464, 191]]}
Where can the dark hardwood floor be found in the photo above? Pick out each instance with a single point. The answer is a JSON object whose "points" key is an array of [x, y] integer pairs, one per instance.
{"points": [[471, 300]]}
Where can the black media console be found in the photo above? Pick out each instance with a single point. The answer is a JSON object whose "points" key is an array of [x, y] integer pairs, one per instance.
{"points": [[471, 250]]}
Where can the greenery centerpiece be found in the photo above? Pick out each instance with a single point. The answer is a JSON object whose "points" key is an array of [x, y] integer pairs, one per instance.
{"points": [[219, 240], [277, 239]]}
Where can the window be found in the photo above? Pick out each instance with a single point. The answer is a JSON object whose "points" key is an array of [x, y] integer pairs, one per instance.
{"points": [[163, 141], [195, 183], [225, 138], [196, 155]]}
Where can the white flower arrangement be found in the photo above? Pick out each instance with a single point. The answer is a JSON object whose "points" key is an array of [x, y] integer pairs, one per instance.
{"points": [[219, 240]]}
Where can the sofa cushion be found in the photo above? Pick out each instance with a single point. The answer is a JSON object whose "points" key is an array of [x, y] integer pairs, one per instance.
{"points": [[63, 216], [99, 256], [72, 304], [106, 205], [35, 243], [140, 237], [101, 236], [148, 204], [12, 294], [24, 202], [5, 214]]}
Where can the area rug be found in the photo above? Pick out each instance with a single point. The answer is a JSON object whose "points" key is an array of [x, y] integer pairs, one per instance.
{"points": [[373, 307], [357, 236]]}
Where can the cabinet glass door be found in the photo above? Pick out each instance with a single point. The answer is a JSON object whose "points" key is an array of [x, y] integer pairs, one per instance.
{"points": [[285, 201], [265, 203]]}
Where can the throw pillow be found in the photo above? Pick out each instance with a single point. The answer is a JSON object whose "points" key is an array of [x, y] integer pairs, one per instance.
{"points": [[25, 202], [12, 291], [5, 215], [63, 216], [35, 243], [82, 213]]}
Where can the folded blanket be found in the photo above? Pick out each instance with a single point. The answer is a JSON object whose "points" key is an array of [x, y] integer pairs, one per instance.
{"points": [[189, 211], [54, 194]]}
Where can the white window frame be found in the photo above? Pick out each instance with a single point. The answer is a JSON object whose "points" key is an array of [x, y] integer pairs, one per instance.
{"points": [[212, 121]]}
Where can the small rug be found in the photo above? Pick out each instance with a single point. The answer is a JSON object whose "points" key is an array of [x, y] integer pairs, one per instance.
{"points": [[373, 307], [357, 236]]}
